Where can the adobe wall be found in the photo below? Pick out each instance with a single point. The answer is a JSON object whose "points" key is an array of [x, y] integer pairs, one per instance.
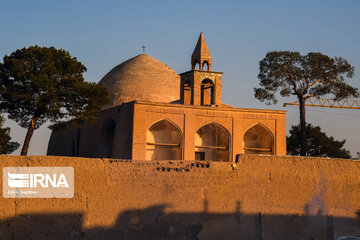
{"points": [[266, 197]]}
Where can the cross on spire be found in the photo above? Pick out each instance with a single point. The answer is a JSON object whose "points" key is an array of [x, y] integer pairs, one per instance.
{"points": [[143, 47]]}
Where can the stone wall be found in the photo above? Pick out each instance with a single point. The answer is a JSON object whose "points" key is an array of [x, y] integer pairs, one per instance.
{"points": [[262, 197]]}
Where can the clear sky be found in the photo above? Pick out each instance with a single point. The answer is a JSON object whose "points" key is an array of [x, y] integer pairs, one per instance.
{"points": [[102, 34]]}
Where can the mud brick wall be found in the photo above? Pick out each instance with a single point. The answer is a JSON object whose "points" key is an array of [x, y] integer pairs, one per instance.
{"points": [[262, 197]]}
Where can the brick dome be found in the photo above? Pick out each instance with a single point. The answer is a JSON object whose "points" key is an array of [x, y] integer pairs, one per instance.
{"points": [[142, 78]]}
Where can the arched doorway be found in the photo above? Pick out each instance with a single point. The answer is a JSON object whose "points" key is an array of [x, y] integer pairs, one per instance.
{"points": [[258, 140], [212, 143], [107, 138], [163, 141]]}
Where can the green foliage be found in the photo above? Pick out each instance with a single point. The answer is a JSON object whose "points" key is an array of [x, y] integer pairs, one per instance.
{"points": [[6, 146], [38, 84], [305, 76], [318, 143], [311, 75]]}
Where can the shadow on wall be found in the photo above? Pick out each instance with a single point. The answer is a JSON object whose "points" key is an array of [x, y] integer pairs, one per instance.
{"points": [[154, 223]]}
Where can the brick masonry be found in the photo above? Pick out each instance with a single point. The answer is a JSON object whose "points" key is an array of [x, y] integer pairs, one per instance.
{"points": [[190, 118]]}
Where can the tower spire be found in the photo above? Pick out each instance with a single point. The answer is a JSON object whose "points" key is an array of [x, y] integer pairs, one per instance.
{"points": [[201, 54]]}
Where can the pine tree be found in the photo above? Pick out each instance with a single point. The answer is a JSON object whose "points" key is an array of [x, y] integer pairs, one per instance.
{"points": [[39, 84], [318, 144], [6, 146]]}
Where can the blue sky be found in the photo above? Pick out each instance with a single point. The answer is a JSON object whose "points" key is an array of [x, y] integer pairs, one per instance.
{"points": [[102, 34]]}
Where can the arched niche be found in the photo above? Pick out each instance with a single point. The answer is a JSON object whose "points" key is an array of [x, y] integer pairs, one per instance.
{"points": [[163, 141], [258, 140], [107, 138], [207, 92], [196, 66], [187, 88], [212, 143]]}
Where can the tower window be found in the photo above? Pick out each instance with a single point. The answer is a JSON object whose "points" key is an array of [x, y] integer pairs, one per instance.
{"points": [[207, 92], [205, 66], [187, 88], [197, 66]]}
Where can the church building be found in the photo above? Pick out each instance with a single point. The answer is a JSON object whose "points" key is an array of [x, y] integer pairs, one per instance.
{"points": [[157, 114]]}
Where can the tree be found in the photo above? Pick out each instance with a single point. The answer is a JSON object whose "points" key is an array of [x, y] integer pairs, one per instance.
{"points": [[6, 146], [305, 76], [317, 142], [40, 83]]}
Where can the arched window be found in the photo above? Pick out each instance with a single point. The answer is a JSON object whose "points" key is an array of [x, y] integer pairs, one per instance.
{"points": [[187, 92], [205, 63], [197, 66], [107, 138], [258, 140], [212, 143], [163, 141], [207, 92]]}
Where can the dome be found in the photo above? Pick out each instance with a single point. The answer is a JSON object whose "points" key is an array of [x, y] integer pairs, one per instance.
{"points": [[142, 78]]}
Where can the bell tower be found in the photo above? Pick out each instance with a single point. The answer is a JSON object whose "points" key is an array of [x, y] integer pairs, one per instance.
{"points": [[200, 85]]}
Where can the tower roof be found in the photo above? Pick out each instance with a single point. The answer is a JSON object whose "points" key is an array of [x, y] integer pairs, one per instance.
{"points": [[201, 49], [201, 53]]}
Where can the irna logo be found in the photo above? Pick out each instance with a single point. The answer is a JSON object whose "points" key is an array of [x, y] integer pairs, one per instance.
{"points": [[35, 180], [38, 182]]}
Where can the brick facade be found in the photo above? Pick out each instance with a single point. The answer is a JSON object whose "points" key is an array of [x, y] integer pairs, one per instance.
{"points": [[142, 89]]}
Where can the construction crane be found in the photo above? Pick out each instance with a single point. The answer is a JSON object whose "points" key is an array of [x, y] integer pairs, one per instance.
{"points": [[330, 103]]}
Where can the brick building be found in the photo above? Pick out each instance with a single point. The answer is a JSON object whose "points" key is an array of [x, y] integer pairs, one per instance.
{"points": [[157, 114]]}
